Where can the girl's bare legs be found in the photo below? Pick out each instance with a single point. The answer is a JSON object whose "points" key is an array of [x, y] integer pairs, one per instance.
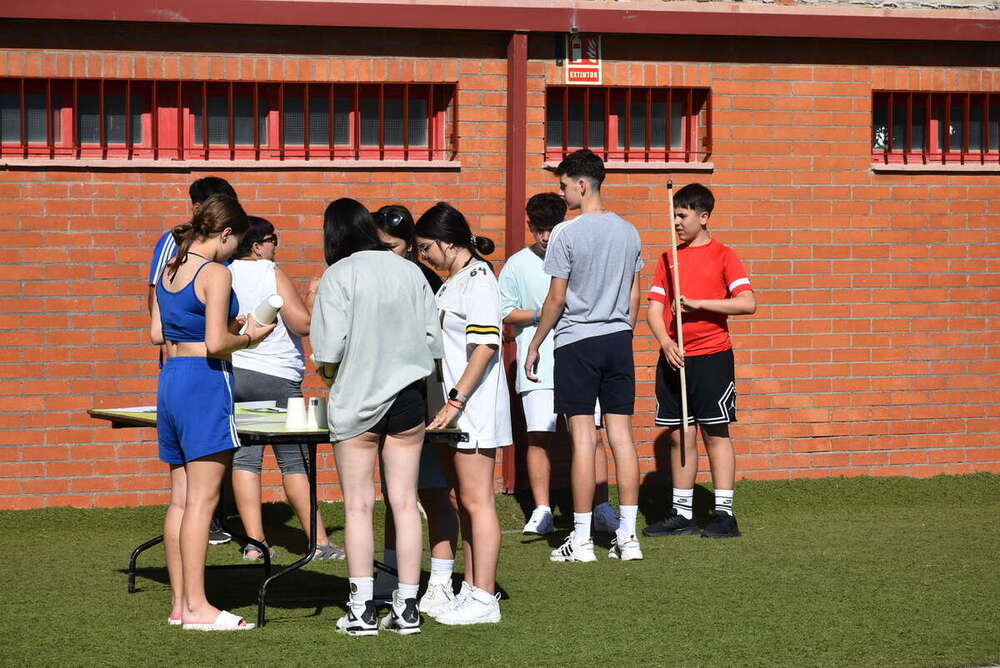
{"points": [[401, 465], [204, 479], [601, 468], [356, 466], [172, 538], [539, 466], [297, 491], [474, 471], [246, 489]]}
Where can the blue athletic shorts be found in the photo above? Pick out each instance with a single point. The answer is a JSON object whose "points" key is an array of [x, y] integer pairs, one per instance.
{"points": [[600, 368], [195, 416]]}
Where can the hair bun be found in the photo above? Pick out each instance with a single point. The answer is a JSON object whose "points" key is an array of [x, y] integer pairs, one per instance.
{"points": [[182, 232], [484, 245]]}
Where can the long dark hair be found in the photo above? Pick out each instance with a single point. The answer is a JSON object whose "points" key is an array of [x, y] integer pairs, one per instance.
{"points": [[443, 222], [212, 218], [397, 221], [347, 229], [258, 230]]}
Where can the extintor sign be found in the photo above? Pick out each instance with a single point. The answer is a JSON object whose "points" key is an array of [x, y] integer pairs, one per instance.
{"points": [[583, 59]]}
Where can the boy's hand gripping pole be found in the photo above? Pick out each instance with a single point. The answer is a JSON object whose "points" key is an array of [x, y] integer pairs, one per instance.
{"points": [[676, 281]]}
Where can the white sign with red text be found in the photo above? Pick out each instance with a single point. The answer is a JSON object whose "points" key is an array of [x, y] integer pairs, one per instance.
{"points": [[583, 59]]}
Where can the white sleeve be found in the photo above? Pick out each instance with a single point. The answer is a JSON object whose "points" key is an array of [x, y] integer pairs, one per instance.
{"points": [[481, 303]]}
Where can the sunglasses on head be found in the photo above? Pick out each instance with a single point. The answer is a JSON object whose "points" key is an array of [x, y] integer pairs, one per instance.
{"points": [[391, 219], [270, 239]]}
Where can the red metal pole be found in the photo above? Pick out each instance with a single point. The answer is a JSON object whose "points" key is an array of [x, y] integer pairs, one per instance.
{"points": [[517, 159]]}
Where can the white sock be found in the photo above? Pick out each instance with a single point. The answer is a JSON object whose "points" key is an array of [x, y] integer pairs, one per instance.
{"points": [[361, 590], [628, 515], [545, 509], [724, 501], [389, 558], [407, 591], [581, 528], [441, 570], [684, 502]]}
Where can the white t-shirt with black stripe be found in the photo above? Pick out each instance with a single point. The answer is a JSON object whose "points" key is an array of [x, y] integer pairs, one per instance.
{"points": [[469, 303]]}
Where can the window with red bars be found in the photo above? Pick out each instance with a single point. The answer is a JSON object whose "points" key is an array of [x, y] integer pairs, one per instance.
{"points": [[201, 120], [935, 128], [629, 124]]}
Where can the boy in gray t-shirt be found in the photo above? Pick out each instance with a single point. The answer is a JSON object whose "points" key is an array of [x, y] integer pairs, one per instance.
{"points": [[594, 261]]}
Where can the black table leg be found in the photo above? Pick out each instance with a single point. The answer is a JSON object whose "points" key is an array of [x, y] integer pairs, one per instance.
{"points": [[310, 552], [135, 556]]}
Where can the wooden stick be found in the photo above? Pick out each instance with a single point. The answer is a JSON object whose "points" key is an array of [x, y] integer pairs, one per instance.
{"points": [[678, 320]]}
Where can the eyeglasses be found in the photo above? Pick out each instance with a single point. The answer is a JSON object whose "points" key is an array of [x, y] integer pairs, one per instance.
{"points": [[272, 239], [424, 247]]}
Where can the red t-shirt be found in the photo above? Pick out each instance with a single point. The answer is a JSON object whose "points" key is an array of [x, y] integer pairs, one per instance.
{"points": [[711, 271]]}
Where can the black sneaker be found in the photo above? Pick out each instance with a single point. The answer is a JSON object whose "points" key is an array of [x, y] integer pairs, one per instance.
{"points": [[365, 624], [403, 617], [216, 535], [671, 525], [722, 525]]}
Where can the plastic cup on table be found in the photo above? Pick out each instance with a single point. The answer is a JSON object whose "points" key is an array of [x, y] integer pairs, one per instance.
{"points": [[296, 417]]}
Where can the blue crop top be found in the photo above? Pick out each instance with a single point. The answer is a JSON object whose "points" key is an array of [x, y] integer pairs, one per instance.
{"points": [[182, 314]]}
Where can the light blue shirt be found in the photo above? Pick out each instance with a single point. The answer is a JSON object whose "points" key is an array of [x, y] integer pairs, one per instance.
{"points": [[524, 285]]}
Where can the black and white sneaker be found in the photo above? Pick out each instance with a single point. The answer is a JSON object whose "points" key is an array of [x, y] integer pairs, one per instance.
{"points": [[216, 535], [672, 525], [722, 525], [359, 620], [403, 617]]}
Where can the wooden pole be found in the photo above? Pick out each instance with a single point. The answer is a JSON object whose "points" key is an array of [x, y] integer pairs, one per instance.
{"points": [[677, 319]]}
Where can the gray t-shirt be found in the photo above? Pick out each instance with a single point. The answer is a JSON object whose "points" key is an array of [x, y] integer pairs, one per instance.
{"points": [[375, 315], [600, 254]]}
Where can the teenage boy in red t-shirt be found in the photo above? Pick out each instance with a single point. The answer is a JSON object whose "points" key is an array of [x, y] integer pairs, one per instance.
{"points": [[713, 286]]}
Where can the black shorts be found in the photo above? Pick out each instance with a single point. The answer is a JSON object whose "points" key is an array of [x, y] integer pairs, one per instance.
{"points": [[408, 410], [711, 390], [598, 368]]}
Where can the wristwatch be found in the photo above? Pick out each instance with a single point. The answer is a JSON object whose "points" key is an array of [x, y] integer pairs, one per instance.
{"points": [[455, 395]]}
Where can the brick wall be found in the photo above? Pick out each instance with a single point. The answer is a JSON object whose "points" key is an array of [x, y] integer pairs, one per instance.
{"points": [[874, 350]]}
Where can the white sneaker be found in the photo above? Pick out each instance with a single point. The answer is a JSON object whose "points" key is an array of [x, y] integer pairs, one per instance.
{"points": [[403, 617], [569, 551], [539, 524], [605, 518], [385, 585], [360, 620], [458, 600], [479, 607], [436, 599], [625, 548]]}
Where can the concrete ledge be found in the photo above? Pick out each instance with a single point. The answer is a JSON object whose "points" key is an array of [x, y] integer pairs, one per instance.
{"points": [[236, 165], [653, 166], [937, 169]]}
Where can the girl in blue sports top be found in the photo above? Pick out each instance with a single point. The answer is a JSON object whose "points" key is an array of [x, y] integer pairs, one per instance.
{"points": [[195, 318]]}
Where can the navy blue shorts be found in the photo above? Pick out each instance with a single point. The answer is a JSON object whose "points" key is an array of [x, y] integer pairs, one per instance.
{"points": [[600, 368], [195, 416]]}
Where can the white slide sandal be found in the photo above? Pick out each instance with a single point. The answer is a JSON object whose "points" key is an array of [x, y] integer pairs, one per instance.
{"points": [[226, 621]]}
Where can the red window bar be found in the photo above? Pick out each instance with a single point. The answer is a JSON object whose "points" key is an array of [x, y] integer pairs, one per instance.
{"points": [[629, 124], [125, 118], [935, 128]]}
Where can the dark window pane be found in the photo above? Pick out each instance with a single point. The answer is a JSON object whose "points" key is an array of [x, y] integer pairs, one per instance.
{"points": [[418, 122], [294, 121], [553, 121], [393, 108], [637, 135], [957, 125], [898, 124], [218, 120], [10, 117], [319, 121], [342, 109], [89, 121], [369, 121], [919, 127], [575, 122], [35, 111], [596, 135], [994, 125], [976, 127], [243, 120], [880, 123], [114, 119]]}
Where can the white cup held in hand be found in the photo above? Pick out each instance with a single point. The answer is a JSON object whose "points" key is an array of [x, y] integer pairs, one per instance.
{"points": [[265, 313], [316, 414], [296, 416]]}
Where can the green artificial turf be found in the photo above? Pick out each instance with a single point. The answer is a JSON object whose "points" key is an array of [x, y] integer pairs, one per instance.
{"points": [[856, 572]]}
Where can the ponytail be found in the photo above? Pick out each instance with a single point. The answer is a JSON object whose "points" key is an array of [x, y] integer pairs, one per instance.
{"points": [[443, 222], [183, 237]]}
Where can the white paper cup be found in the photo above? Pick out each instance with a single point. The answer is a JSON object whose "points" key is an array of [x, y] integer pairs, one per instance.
{"points": [[267, 311], [316, 414], [296, 417]]}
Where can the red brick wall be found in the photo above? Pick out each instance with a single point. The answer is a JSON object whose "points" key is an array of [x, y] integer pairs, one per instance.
{"points": [[873, 352]]}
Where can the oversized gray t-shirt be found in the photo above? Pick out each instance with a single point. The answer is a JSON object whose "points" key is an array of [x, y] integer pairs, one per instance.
{"points": [[600, 254], [375, 315]]}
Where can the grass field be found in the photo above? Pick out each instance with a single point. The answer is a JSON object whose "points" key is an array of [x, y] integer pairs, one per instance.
{"points": [[859, 572]]}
